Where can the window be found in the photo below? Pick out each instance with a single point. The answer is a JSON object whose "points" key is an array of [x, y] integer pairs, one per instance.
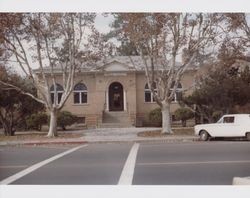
{"points": [[148, 95], [228, 119], [56, 94], [178, 94], [80, 94]]}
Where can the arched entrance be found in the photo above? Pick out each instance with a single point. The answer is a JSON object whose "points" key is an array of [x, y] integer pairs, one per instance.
{"points": [[116, 98]]}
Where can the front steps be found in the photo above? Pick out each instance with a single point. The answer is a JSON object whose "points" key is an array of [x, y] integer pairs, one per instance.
{"points": [[115, 119]]}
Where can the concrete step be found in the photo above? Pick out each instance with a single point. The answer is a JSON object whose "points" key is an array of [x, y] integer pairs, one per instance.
{"points": [[115, 125], [116, 117], [115, 120]]}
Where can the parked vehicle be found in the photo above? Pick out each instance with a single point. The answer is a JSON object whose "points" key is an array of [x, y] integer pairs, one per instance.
{"points": [[233, 125]]}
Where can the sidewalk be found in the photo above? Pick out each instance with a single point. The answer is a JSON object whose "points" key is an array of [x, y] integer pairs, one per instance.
{"points": [[112, 135]]}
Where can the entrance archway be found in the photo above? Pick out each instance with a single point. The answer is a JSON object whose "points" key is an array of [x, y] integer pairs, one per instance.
{"points": [[116, 98]]}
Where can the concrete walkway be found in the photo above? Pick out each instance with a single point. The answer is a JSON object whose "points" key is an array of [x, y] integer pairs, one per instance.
{"points": [[105, 135]]}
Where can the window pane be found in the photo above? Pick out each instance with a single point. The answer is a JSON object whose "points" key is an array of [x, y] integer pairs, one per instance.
{"points": [[169, 93], [52, 97], [84, 97], [228, 120], [153, 96], [80, 87], [178, 96], [76, 98], [147, 96], [58, 87], [59, 97]]}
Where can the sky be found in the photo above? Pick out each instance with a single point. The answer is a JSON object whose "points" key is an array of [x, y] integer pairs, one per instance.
{"points": [[125, 5], [102, 23]]}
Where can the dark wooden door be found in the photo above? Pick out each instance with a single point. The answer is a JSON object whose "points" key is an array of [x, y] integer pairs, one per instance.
{"points": [[116, 97]]}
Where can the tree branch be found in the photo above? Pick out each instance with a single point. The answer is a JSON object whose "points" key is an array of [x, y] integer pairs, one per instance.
{"points": [[22, 91]]}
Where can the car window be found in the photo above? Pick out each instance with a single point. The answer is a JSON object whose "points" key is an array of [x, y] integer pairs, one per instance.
{"points": [[220, 120], [228, 119]]}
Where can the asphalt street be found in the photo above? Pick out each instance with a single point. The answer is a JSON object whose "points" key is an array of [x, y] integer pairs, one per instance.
{"points": [[212, 163], [194, 163]]}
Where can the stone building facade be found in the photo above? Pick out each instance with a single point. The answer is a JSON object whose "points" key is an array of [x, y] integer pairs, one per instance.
{"points": [[116, 94]]}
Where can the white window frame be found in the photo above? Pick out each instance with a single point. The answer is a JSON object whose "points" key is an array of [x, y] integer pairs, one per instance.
{"points": [[80, 94], [54, 92], [151, 94], [175, 95]]}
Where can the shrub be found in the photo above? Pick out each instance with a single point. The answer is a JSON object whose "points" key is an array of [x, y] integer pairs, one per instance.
{"points": [[183, 114], [155, 117], [65, 118], [35, 121]]}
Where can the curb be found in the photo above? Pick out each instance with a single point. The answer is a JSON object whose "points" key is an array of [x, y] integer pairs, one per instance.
{"points": [[100, 141], [58, 142], [241, 181], [42, 143], [172, 140]]}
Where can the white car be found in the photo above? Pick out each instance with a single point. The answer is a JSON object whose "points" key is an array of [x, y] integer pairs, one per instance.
{"points": [[233, 125]]}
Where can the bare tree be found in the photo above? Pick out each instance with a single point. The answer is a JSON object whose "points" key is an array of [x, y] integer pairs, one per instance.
{"points": [[162, 40], [53, 43]]}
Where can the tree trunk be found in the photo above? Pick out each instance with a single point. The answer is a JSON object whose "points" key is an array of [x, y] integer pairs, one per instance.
{"points": [[8, 128], [53, 124], [166, 121], [201, 119]]}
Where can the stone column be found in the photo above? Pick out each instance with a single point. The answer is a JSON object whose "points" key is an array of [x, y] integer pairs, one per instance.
{"points": [[125, 100], [107, 100]]}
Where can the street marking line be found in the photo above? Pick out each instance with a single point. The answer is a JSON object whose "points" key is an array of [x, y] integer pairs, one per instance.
{"points": [[193, 163], [127, 174], [37, 166]]}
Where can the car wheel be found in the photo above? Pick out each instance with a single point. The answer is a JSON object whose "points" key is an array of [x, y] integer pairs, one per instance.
{"points": [[204, 136], [248, 136]]}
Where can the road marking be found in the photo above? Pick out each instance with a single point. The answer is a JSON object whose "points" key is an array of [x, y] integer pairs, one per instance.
{"points": [[37, 166], [193, 163], [127, 174]]}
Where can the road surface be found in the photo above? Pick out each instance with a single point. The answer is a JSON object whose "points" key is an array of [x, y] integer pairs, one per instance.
{"points": [[194, 163]]}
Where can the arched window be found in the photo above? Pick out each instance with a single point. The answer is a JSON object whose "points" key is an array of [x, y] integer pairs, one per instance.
{"points": [[80, 94], [178, 93], [58, 91], [148, 95]]}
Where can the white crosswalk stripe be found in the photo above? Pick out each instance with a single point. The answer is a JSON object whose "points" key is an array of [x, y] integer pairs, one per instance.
{"points": [[127, 174], [37, 166]]}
